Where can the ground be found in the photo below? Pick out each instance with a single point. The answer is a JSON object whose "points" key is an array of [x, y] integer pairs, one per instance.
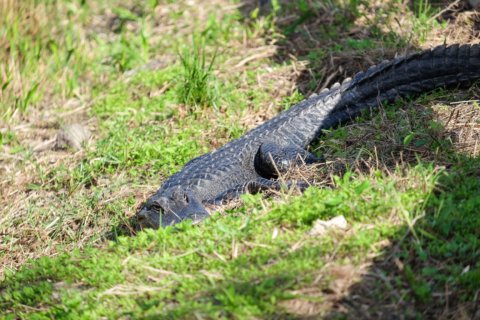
{"points": [[149, 85]]}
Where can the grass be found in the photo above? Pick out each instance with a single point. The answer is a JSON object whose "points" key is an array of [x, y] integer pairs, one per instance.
{"points": [[241, 272], [404, 178], [196, 86]]}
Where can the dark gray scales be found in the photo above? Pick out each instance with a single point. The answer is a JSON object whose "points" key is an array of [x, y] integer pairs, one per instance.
{"points": [[253, 162]]}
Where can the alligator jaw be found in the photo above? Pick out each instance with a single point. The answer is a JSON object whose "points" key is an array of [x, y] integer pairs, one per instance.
{"points": [[166, 211], [148, 219]]}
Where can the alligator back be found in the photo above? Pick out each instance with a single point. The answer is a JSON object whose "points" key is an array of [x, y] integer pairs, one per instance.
{"points": [[443, 66], [233, 165]]}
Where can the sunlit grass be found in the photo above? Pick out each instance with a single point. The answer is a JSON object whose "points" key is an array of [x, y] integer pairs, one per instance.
{"points": [[197, 85]]}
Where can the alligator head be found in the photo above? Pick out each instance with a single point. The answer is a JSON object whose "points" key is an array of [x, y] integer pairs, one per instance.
{"points": [[171, 208]]}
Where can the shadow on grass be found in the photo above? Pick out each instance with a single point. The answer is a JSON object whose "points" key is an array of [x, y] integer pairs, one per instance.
{"points": [[334, 38], [431, 270]]}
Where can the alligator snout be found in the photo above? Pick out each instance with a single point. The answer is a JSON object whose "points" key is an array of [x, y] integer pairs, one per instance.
{"points": [[166, 211]]}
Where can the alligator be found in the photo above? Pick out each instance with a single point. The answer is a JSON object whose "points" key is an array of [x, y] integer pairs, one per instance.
{"points": [[254, 162]]}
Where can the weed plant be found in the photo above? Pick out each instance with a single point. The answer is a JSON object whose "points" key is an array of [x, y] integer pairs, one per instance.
{"points": [[197, 85]]}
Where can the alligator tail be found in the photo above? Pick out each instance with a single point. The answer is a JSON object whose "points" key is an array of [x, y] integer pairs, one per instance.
{"points": [[441, 67]]}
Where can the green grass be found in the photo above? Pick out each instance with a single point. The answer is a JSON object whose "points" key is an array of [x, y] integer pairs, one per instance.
{"points": [[33, 56], [196, 85], [405, 178], [424, 22]]}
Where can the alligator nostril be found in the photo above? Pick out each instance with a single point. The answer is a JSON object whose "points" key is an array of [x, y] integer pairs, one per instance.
{"points": [[142, 218], [141, 221]]}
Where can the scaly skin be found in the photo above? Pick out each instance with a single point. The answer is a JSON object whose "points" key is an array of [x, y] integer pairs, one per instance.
{"points": [[252, 162]]}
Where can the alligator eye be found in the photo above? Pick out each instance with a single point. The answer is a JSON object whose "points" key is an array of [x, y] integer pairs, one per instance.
{"points": [[186, 198], [156, 206]]}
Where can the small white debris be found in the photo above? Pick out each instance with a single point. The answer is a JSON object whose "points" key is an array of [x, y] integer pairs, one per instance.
{"points": [[72, 136], [321, 226], [274, 234]]}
